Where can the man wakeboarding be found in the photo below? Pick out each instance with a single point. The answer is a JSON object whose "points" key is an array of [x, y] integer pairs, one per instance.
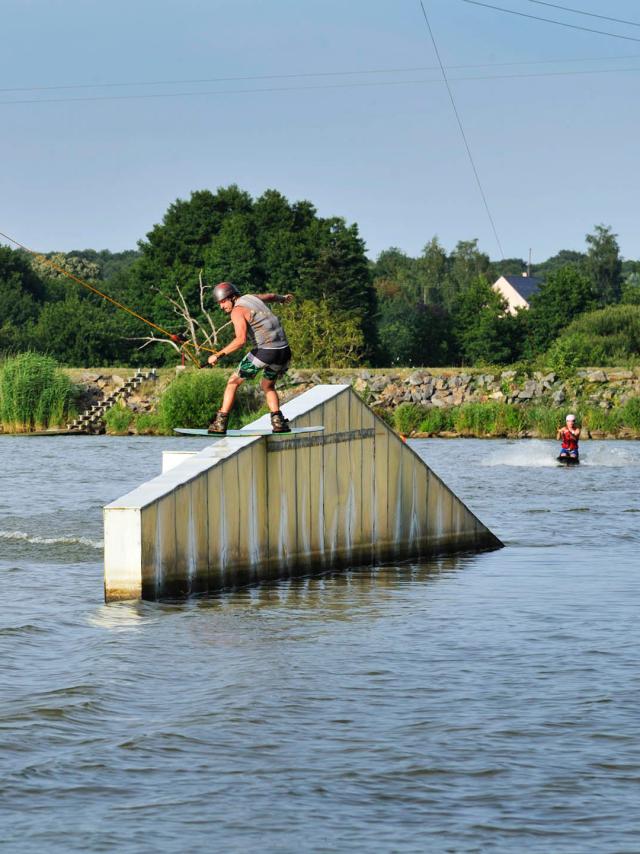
{"points": [[270, 353], [569, 434]]}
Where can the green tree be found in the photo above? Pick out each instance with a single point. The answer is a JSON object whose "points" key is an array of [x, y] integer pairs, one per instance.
{"points": [[466, 264], [412, 335], [109, 263], [76, 264], [483, 329], [608, 336], [188, 226], [336, 270], [432, 272], [631, 290], [322, 336], [77, 332], [564, 258], [565, 294], [268, 244], [21, 296], [604, 265], [507, 267], [232, 255]]}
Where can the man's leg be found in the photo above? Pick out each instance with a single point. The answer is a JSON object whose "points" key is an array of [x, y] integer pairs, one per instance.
{"points": [[279, 424], [269, 388], [219, 423], [229, 396]]}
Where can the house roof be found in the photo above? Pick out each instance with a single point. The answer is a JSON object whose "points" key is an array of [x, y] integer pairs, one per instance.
{"points": [[525, 285]]}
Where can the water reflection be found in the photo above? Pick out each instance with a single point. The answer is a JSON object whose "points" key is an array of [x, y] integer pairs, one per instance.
{"points": [[335, 591]]}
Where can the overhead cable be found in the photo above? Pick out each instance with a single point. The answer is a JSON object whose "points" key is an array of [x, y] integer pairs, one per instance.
{"points": [[462, 131], [588, 14], [552, 21], [307, 74], [380, 83]]}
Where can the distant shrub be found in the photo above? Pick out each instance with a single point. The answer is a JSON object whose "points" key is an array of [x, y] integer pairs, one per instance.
{"points": [[630, 413], [609, 336], [119, 419], [193, 398], [407, 417], [149, 423], [571, 350], [545, 420], [34, 393], [608, 420], [436, 421], [476, 419], [385, 414]]}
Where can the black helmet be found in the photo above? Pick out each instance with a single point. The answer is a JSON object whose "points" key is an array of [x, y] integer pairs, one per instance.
{"points": [[225, 290]]}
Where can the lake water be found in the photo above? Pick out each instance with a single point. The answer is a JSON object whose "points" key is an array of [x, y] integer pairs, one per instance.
{"points": [[487, 702]]}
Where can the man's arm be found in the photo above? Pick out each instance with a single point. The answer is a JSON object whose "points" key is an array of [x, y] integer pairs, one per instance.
{"points": [[285, 299], [239, 320]]}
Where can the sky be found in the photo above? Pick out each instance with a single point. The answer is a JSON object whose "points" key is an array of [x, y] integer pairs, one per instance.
{"points": [[340, 102]]}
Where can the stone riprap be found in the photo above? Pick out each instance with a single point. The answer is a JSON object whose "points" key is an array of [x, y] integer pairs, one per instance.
{"points": [[387, 389]]}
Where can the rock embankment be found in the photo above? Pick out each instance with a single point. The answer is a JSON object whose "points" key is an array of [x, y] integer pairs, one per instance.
{"points": [[441, 388], [587, 390], [97, 385]]}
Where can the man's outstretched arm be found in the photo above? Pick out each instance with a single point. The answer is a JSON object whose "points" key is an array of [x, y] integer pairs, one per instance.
{"points": [[286, 298]]}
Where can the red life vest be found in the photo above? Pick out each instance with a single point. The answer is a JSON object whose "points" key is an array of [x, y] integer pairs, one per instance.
{"points": [[569, 441]]}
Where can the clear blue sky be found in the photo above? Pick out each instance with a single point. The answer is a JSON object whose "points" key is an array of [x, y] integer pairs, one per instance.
{"points": [[556, 154]]}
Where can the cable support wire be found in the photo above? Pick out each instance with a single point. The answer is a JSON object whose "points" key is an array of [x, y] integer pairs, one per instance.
{"points": [[588, 14], [552, 21], [348, 72], [380, 83], [462, 132], [461, 79], [307, 74], [185, 345]]}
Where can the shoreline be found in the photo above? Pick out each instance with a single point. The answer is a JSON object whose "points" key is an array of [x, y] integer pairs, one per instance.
{"points": [[445, 403]]}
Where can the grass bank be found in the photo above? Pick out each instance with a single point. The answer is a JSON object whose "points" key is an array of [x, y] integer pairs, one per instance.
{"points": [[500, 420], [189, 401]]}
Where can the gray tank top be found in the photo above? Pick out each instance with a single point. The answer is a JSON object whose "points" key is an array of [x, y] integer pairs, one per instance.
{"points": [[265, 330]]}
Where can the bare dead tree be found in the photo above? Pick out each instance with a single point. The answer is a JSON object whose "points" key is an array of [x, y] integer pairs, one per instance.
{"points": [[200, 335]]}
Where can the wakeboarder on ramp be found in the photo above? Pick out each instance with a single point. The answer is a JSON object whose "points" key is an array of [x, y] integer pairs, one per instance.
{"points": [[253, 508]]}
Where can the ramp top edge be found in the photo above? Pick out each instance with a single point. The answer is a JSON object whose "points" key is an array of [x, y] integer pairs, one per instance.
{"points": [[303, 403]]}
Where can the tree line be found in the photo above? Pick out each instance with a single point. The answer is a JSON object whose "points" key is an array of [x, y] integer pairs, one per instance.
{"points": [[436, 309]]}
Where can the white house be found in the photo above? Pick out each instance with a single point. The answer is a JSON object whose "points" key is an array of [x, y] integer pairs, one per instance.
{"points": [[517, 290]]}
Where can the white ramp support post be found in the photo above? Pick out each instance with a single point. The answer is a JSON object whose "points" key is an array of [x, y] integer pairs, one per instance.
{"points": [[254, 508]]}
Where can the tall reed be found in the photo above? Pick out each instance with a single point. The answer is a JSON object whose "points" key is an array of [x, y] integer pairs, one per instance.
{"points": [[34, 393]]}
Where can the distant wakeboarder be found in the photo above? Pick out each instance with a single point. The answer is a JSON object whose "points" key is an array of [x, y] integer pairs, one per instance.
{"points": [[570, 435]]}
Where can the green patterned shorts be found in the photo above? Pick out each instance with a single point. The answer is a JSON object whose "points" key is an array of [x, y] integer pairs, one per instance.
{"points": [[273, 362]]}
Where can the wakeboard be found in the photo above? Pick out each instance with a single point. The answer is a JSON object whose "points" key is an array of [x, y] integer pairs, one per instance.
{"points": [[248, 431], [568, 461]]}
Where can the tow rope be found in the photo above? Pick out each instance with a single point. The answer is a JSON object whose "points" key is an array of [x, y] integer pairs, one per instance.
{"points": [[177, 339]]}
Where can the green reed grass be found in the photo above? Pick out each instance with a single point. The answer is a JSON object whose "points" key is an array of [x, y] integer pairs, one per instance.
{"points": [[148, 423], [119, 419], [436, 421], [630, 413], [407, 417], [495, 419], [34, 393], [607, 420]]}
